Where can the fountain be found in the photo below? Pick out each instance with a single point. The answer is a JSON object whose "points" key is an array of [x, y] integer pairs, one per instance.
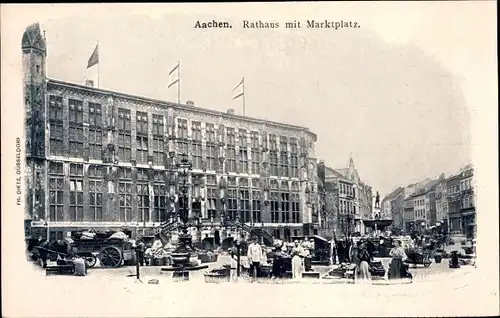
{"points": [[181, 257]]}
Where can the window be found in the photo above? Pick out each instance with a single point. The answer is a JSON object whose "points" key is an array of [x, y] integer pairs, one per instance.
{"points": [[255, 153], [158, 141], [196, 145], [76, 192], [124, 136], [283, 171], [75, 128], [256, 207], [95, 189], [243, 156], [295, 208], [274, 200], [231, 151], [294, 161], [276, 234], [160, 198], [211, 147], [232, 204], [211, 201], [142, 138], [56, 126], [273, 156], [56, 191], [143, 195], [285, 207], [95, 131], [125, 194], [182, 138], [244, 206]]}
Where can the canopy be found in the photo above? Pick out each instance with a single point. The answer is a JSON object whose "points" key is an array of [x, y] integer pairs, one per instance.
{"points": [[320, 238]]}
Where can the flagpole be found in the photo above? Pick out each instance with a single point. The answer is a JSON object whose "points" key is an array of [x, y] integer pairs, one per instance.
{"points": [[179, 82], [98, 64], [243, 81]]}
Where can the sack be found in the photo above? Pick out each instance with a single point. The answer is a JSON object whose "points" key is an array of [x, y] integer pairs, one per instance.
{"points": [[119, 235], [80, 269]]}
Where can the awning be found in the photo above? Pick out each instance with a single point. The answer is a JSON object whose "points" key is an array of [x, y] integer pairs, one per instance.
{"points": [[320, 238]]}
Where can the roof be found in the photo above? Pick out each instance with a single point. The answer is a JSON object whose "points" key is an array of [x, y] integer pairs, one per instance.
{"points": [[32, 38], [165, 104], [393, 194], [342, 171], [336, 174]]}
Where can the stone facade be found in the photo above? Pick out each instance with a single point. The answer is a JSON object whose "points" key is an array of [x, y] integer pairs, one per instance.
{"points": [[348, 200], [104, 159]]}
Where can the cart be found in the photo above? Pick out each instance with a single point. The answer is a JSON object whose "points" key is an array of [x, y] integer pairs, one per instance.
{"points": [[111, 252], [416, 257]]}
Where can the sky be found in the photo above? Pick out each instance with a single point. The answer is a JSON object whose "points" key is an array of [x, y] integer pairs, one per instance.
{"points": [[399, 94]]}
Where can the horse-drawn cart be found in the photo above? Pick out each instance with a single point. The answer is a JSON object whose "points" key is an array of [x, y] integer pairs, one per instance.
{"points": [[111, 252]]}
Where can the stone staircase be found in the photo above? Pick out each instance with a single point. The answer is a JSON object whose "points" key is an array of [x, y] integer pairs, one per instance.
{"points": [[164, 229], [260, 233]]}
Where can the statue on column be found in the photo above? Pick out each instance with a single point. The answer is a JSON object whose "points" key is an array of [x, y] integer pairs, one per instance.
{"points": [[377, 201]]}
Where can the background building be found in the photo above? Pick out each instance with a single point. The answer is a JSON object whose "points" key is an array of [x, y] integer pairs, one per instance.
{"points": [[348, 200], [461, 202], [392, 207], [102, 159]]}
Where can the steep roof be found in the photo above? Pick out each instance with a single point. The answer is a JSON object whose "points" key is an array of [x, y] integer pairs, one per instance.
{"points": [[32, 38], [342, 171], [393, 194], [329, 172]]}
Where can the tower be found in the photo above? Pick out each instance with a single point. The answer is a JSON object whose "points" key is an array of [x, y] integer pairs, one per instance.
{"points": [[34, 88]]}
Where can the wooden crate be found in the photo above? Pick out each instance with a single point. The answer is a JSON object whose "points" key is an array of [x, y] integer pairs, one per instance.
{"points": [[311, 275]]}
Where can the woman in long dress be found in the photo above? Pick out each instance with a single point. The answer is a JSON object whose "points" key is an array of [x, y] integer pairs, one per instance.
{"points": [[296, 261], [362, 273], [397, 268]]}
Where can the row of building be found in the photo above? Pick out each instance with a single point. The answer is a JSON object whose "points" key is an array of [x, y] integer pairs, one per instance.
{"points": [[446, 202], [106, 160]]}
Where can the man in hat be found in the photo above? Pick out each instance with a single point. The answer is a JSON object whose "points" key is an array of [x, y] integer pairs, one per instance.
{"points": [[254, 255]]}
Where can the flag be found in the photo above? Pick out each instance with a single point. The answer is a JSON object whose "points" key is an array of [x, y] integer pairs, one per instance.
{"points": [[239, 90], [94, 58], [173, 76]]}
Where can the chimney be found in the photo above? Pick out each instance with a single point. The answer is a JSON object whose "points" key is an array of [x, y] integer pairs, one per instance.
{"points": [[89, 83], [190, 103], [230, 111]]}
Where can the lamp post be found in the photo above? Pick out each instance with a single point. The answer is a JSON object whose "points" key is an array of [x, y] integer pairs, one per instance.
{"points": [[308, 196]]}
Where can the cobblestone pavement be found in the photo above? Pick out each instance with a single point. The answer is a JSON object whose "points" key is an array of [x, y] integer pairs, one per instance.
{"points": [[108, 292]]}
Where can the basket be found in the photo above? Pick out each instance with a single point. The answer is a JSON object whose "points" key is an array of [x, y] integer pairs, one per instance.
{"points": [[438, 258]]}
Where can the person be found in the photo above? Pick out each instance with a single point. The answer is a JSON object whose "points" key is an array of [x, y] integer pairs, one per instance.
{"points": [[43, 252], [154, 250], [254, 255], [333, 253], [296, 261], [306, 255], [362, 272], [263, 261], [233, 271], [140, 252], [397, 268]]}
